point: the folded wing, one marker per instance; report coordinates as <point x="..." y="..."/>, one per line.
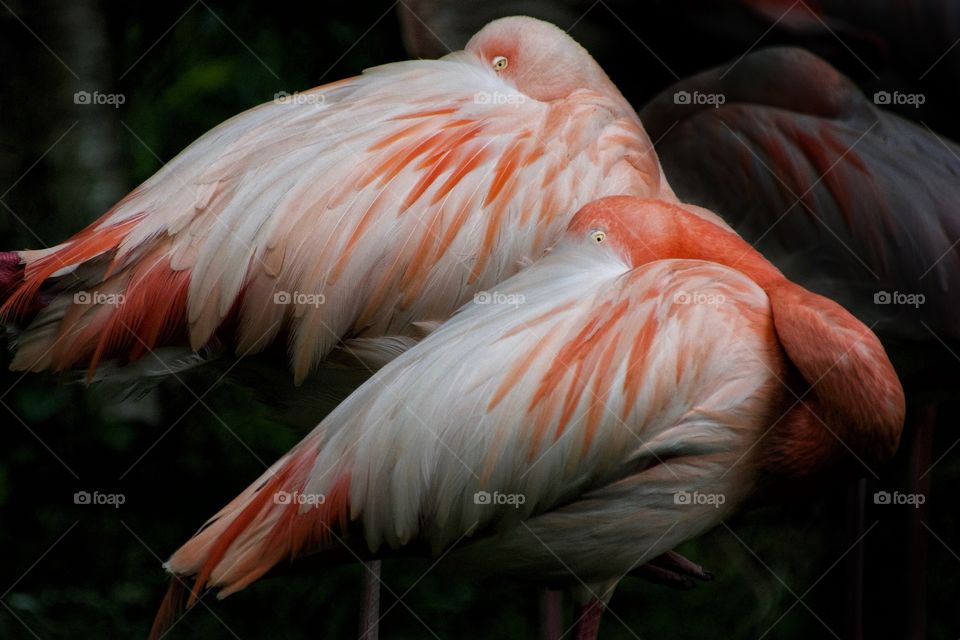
<point x="351" y="210"/>
<point x="577" y="372"/>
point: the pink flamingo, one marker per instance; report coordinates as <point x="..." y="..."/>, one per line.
<point x="644" y="380"/>
<point x="354" y="216"/>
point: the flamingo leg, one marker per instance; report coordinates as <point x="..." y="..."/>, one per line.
<point x="856" y="526"/>
<point x="922" y="424"/>
<point x="673" y="570"/>
<point x="551" y="608"/>
<point x="370" y="606"/>
<point x="588" y="617"/>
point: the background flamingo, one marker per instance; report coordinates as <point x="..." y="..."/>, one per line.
<point x="857" y="203"/>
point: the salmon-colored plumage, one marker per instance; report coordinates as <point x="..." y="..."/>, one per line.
<point x="606" y="388"/>
<point x="645" y="352"/>
<point x="372" y="205"/>
<point x="86" y="245"/>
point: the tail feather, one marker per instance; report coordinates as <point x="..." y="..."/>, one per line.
<point x="268" y="523"/>
<point x="86" y="245"/>
<point x="171" y="609"/>
<point x="96" y="307"/>
<point x="142" y="321"/>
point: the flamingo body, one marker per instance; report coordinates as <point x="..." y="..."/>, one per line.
<point x="620" y="371"/>
<point x="372" y="207"/>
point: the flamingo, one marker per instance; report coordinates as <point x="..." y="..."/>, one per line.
<point x="851" y="200"/>
<point x="648" y="377"/>
<point x="352" y="218"/>
<point x="840" y="184"/>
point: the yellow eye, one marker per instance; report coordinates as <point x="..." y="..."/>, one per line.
<point x="597" y="236"/>
<point x="500" y="63"/>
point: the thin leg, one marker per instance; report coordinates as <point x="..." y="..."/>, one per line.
<point x="673" y="570"/>
<point x="588" y="620"/>
<point x="370" y="606"/>
<point x="679" y="564"/>
<point x="921" y="448"/>
<point x="551" y="608"/>
<point x="856" y="499"/>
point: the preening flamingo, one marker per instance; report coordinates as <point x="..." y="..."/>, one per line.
<point x="648" y="377"/>
<point x="353" y="216"/>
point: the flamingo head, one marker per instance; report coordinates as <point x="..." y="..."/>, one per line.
<point x="642" y="230"/>
<point x="540" y="60"/>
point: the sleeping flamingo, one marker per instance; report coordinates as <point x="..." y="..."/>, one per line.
<point x="647" y="378"/>
<point x="352" y="217"/>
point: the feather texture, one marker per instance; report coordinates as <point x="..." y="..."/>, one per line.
<point x="354" y="210"/>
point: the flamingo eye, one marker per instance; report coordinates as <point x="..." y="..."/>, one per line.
<point x="597" y="236"/>
<point x="500" y="63"/>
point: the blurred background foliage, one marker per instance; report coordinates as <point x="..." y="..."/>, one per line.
<point x="177" y="456"/>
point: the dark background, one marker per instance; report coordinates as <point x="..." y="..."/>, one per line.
<point x="177" y="456"/>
